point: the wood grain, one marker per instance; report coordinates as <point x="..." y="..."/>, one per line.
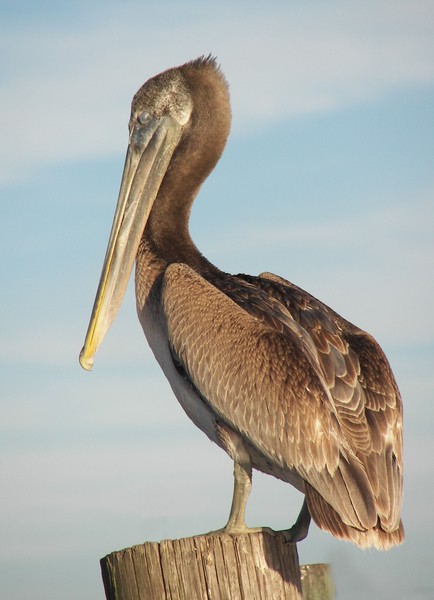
<point x="257" y="566"/>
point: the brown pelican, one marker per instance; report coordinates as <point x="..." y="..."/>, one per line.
<point x="272" y="375"/>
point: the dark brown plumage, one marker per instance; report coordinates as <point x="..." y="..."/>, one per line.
<point x="272" y="375"/>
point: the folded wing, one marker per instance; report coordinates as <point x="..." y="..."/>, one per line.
<point x="308" y="390"/>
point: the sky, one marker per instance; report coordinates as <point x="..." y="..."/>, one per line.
<point x="327" y="180"/>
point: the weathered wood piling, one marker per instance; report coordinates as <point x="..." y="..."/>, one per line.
<point x="256" y="566"/>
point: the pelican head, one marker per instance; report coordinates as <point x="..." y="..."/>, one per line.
<point x="165" y="119"/>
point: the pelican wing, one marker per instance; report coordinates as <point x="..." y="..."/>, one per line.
<point x="260" y="371"/>
<point x="363" y="388"/>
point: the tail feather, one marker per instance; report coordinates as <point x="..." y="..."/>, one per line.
<point x="328" y="519"/>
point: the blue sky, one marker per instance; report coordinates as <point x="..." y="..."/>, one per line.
<point x="327" y="179"/>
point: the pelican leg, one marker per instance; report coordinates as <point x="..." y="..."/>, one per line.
<point x="242" y="486"/>
<point x="300" y="529"/>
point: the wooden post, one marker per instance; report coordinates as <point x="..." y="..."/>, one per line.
<point x="257" y="566"/>
<point x="317" y="582"/>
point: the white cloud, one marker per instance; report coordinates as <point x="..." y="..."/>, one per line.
<point x="66" y="93"/>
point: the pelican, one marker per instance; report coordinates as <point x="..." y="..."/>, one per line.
<point x="269" y="373"/>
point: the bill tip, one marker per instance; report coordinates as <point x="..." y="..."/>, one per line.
<point x="86" y="361"/>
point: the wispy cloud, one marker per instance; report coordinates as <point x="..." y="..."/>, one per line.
<point x="400" y="222"/>
<point x="66" y="92"/>
<point x="370" y="266"/>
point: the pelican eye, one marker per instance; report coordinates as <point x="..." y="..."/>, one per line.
<point x="144" y="118"/>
